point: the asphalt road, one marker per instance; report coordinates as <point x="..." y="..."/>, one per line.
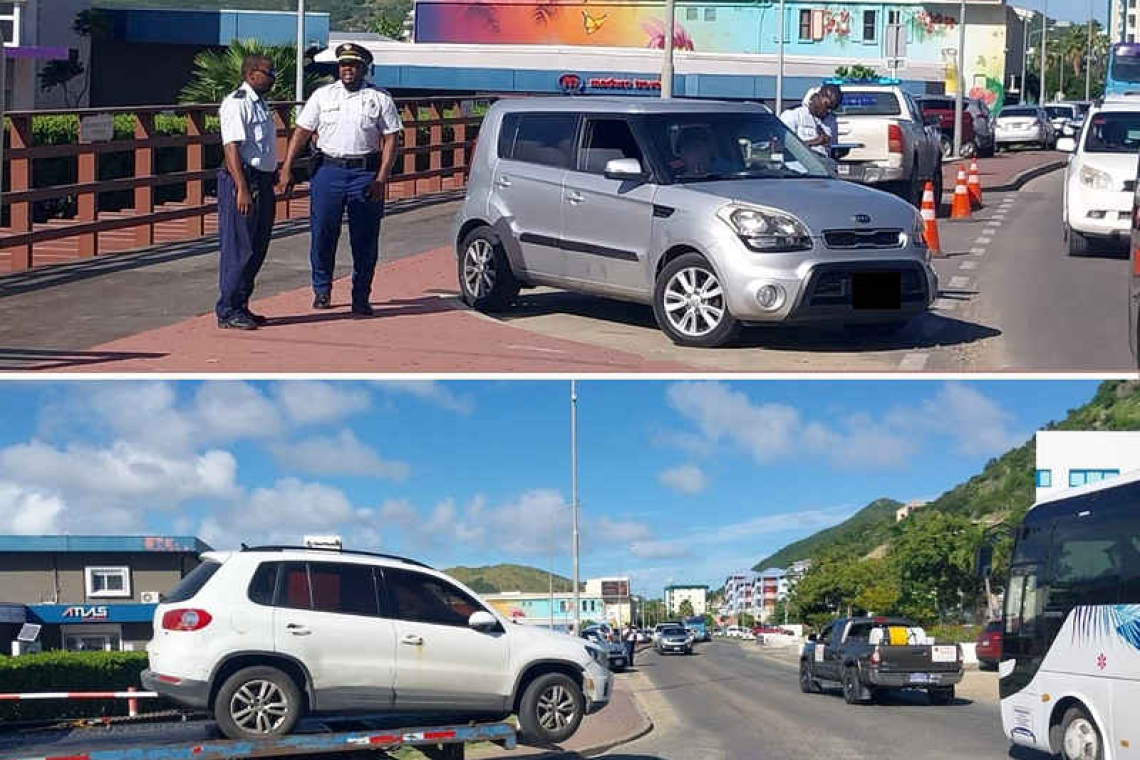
<point x="725" y="703"/>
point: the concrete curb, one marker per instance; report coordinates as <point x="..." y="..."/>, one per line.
<point x="1022" y="178"/>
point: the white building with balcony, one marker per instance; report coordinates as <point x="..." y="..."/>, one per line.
<point x="1073" y="458"/>
<point x="696" y="595"/>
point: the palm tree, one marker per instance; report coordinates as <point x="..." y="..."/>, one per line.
<point x="218" y="73"/>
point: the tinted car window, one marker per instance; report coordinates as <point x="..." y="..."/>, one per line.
<point x="426" y="599"/>
<point x="1113" y="133"/>
<point x="264" y="583"/>
<point x="546" y="139"/>
<point x="869" y="104"/>
<point x="343" y="587"/>
<point x="605" y="140"/>
<point x="293" y="588"/>
<point x="189" y="586"/>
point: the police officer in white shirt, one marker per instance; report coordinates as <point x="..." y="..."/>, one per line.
<point x="356" y="125"/>
<point x="245" y="192"/>
<point x="805" y="122"/>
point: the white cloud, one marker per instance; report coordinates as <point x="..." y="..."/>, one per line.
<point x="976" y="421"/>
<point x="430" y="391"/>
<point x="305" y="401"/>
<point x="344" y="454"/>
<point x="28" y="512"/>
<point x="659" y="549"/>
<point x="687" y="478"/>
<point x="226" y="410"/>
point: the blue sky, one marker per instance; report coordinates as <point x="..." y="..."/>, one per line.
<point x="1067" y="10"/>
<point x="678" y="481"/>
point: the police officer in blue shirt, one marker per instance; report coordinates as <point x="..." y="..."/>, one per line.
<point x="245" y="192"/>
<point x="356" y="125"/>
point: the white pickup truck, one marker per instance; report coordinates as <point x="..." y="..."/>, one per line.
<point x="898" y="149"/>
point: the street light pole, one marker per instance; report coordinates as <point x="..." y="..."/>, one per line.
<point x="574" y="485"/>
<point x="780" y="64"/>
<point x="1024" y="56"/>
<point x="1044" y="37"/>
<point x="961" y="78"/>
<point x="667" y="64"/>
<point x="1088" y="55"/>
<point x="299" y="95"/>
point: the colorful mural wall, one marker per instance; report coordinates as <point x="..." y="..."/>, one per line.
<point x="850" y="31"/>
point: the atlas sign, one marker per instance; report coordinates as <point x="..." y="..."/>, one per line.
<point x="86" y="613"/>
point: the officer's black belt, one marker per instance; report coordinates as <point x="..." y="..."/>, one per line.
<point x="370" y="161"/>
<point x="255" y="172"/>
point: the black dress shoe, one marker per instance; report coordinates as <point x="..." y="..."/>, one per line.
<point x="322" y="301"/>
<point x="237" y="322"/>
<point x="362" y="310"/>
<point x="258" y="319"/>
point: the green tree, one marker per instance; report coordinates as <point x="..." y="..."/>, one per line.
<point x="934" y="554"/>
<point x="218" y="73"/>
<point x="686" y="609"/>
<point x="60" y="74"/>
<point x="858" y="71"/>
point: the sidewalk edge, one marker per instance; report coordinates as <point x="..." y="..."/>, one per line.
<point x="1022" y="178"/>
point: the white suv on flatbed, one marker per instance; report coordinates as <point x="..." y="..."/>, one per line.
<point x="266" y="635"/>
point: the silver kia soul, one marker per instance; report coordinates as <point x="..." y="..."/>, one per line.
<point x="714" y="213"/>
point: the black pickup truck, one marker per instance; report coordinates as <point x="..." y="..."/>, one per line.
<point x="858" y="654"/>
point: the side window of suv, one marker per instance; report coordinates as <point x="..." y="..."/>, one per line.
<point x="263" y="586"/>
<point x="604" y="140"/>
<point x="426" y="599"/>
<point x="343" y="587"/>
<point x="546" y="139"/>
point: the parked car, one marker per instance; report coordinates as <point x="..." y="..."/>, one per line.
<point x="615" y="651"/>
<point x="1024" y="125"/>
<point x="989" y="646"/>
<point x="713" y="213"/>
<point x="1101" y="176"/>
<point x="901" y="149"/>
<point x="1062" y="114"/>
<point x="868" y="656"/>
<point x="262" y="636"/>
<point x="675" y="639"/>
<point x="944" y="109"/>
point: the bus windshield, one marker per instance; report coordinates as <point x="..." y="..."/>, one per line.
<point x="1123" y="68"/>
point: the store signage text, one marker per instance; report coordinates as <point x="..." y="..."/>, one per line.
<point x="86" y="613"/>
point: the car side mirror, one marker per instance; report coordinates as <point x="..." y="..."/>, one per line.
<point x="482" y="621"/>
<point x="624" y="169"/>
<point x="1066" y="145"/>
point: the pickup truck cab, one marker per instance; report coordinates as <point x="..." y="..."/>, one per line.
<point x="870" y="655"/>
<point x="901" y="149"/>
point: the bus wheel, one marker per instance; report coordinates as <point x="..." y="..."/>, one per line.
<point x="1080" y="738"/>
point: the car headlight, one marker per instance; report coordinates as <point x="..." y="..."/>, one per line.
<point x="766" y="230"/>
<point x="1095" y="178"/>
<point x="598" y="656"/>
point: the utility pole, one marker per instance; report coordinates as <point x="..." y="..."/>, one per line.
<point x="3" y="104"/>
<point x="780" y="65"/>
<point x="667" y="64"/>
<point x="299" y="95"/>
<point x="1044" y="36"/>
<point x="961" y="90"/>
<point x="1024" y="55"/>
<point x="574" y="476"/>
<point x="1088" y="55"/>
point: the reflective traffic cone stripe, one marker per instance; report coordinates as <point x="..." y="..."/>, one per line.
<point x="960" y="209"/>
<point x="975" y="184"/>
<point x="930" y="220"/>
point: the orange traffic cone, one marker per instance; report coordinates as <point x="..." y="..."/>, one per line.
<point x="929" y="218"/>
<point x="960" y="209"/>
<point x="975" y="184"/>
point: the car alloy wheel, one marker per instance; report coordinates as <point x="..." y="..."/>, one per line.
<point x="259" y="707"/>
<point x="694" y="302"/>
<point x="479" y="268"/>
<point x="556" y="708"/>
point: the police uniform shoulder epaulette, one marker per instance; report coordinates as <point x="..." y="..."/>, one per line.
<point x="238" y="93"/>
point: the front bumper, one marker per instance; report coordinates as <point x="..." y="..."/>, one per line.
<point x="597" y="687"/>
<point x="1116" y="207"/>
<point x="185" y="691"/>
<point x="906" y="680"/>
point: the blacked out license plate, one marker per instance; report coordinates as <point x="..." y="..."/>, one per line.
<point x="876" y="290"/>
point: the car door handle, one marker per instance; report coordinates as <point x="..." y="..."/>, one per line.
<point x="298" y="630"/>
<point x="576" y="197"/>
<point x="412" y="640"/>
<point x="504" y="182"/>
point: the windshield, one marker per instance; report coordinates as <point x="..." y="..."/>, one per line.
<point x="1060" y="112"/>
<point x="700" y="147"/>
<point x="1125" y="68"/>
<point x="1022" y="112"/>
<point x="1113" y="133"/>
<point x="674" y="632"/>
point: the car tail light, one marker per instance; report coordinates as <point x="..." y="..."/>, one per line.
<point x="894" y="139"/>
<point x="186" y="620"/>
<point x="876" y="657"/>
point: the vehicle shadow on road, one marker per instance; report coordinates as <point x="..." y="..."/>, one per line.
<point x="12" y="359"/>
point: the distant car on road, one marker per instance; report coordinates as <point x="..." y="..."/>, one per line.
<point x="868" y="656"/>
<point x="1024" y="125"/>
<point x="989" y="646"/>
<point x="675" y="639"/>
<point x="977" y="134"/>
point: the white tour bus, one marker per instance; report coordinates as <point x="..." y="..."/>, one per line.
<point x="1070" y="661"/>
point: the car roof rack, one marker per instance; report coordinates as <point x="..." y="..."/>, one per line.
<point x="332" y="550"/>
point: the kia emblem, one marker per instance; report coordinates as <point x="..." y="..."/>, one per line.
<point x="861" y="219"/>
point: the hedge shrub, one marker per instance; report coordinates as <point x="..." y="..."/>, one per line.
<point x="72" y="671"/>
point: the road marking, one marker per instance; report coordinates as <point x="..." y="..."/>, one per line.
<point x="945" y="304"/>
<point x="914" y="362"/>
<point x="961" y="282"/>
<point x="978" y="251"/>
<point x="993" y="224"/>
<point x="985" y="238"/>
<point x="968" y="264"/>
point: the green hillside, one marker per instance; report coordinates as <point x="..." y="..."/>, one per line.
<point x="863" y="531"/>
<point x="1004" y="489"/>
<point x="496" y="578"/>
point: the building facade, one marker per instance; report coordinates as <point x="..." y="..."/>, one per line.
<point x="37" y="33"/>
<point x="907" y="509"/>
<point x="770" y="587"/>
<point x="1071" y="458"/>
<point x="615" y="594"/>
<point x="89" y="592"/>
<point x="738" y="588"/>
<point x="545" y="610"/>
<point x="818" y="36"/>
<point x="1122" y="21"/>
<point x="696" y="595"/>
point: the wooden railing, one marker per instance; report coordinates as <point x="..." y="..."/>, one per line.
<point x="429" y="161"/>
